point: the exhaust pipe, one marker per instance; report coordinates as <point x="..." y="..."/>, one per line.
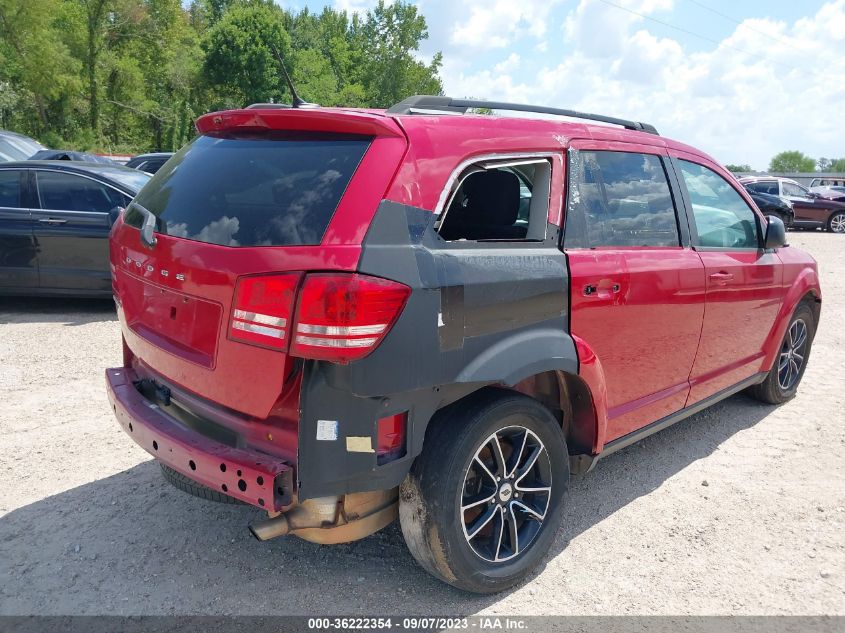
<point x="313" y="513"/>
<point x="270" y="528"/>
<point x="333" y="519"/>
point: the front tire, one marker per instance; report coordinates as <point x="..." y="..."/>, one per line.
<point x="836" y="223"/>
<point x="483" y="501"/>
<point x="782" y="381"/>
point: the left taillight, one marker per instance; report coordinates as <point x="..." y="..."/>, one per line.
<point x="263" y="309"/>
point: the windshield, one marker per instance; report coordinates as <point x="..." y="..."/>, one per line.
<point x="269" y="190"/>
<point x="17" y="147"/>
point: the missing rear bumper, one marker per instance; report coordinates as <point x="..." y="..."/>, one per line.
<point x="250" y="476"/>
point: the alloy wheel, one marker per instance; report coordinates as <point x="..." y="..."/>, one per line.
<point x="837" y="223"/>
<point x="506" y="494"/>
<point x="792" y="354"/>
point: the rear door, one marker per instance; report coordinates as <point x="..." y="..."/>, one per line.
<point x="18" y="256"/>
<point x="744" y="281"/>
<point x="637" y="287"/>
<point x="71" y="226"/>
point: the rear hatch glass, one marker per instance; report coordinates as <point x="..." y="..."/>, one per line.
<point x="274" y="189"/>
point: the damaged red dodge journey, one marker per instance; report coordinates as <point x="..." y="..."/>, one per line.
<point x="342" y="317"/>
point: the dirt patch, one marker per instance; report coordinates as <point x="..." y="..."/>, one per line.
<point x="738" y="510"/>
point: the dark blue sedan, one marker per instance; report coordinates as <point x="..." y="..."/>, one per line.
<point x="55" y="218"/>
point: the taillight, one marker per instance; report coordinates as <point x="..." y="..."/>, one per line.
<point x="343" y="317"/>
<point x="391" y="438"/>
<point x="263" y="308"/>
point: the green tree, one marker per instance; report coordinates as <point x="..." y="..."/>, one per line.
<point x="823" y="164"/>
<point x="837" y="165"/>
<point x="132" y="75"/>
<point x="240" y="58"/>
<point x="391" y="34"/>
<point x="738" y="168"/>
<point x="33" y="58"/>
<point x="792" y="161"/>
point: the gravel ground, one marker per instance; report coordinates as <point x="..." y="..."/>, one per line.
<point x="738" y="510"/>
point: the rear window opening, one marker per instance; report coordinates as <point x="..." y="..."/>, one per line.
<point x="278" y="189"/>
<point x="501" y="201"/>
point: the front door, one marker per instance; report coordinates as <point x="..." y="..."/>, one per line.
<point x="18" y="258"/>
<point x="744" y="281"/>
<point x="72" y="229"/>
<point x="637" y="287"/>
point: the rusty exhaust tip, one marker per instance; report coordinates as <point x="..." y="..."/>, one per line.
<point x="270" y="528"/>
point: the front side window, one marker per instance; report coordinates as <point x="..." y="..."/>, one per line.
<point x="722" y="217"/>
<point x="791" y="189"/>
<point x="59" y="191"/>
<point x="10" y="188"/>
<point x="619" y="199"/>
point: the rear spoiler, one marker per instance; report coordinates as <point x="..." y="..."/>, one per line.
<point x="300" y="119"/>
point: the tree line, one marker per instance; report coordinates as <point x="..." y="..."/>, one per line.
<point x="795" y="161"/>
<point x="127" y="76"/>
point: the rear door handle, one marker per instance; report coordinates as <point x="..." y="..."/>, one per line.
<point x="721" y="277"/>
<point x="52" y="221"/>
<point x="601" y="289"/>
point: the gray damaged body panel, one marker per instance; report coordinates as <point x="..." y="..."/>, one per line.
<point x="480" y="313"/>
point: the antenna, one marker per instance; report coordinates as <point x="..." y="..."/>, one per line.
<point x="296" y="101"/>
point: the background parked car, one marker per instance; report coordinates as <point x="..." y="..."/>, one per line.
<point x="149" y="163"/>
<point x="774" y="205"/>
<point x="830" y="193"/>
<point x="64" y="154"/>
<point x="827" y="182"/>
<point x="55" y="218"/>
<point x="811" y="210"/>
<point x="14" y="146"/>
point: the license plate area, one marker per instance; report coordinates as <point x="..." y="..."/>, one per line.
<point x="178" y="323"/>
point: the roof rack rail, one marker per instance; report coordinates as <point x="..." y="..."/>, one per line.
<point x="430" y="104"/>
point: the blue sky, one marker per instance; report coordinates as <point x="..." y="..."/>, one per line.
<point x="760" y="78"/>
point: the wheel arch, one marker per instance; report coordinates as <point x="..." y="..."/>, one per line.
<point x="805" y="288"/>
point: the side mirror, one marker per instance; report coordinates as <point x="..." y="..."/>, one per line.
<point x="775" y="232"/>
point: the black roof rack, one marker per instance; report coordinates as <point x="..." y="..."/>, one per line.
<point x="429" y="104"/>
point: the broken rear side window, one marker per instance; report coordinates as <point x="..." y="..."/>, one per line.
<point x="279" y="190"/>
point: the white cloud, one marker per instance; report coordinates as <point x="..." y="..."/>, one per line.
<point x="498" y="23"/>
<point x="742" y="100"/>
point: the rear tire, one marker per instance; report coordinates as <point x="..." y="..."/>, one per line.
<point x="186" y="484"/>
<point x="782" y="381"/>
<point x="836" y="222"/>
<point x="461" y="524"/>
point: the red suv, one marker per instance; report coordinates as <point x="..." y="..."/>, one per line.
<point x="343" y="317"/>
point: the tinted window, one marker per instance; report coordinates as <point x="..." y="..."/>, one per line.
<point x="619" y="199"/>
<point x="765" y="186"/>
<point x="722" y="217"/>
<point x="152" y="166"/>
<point x="68" y="192"/>
<point x="10" y="188"/>
<point x="265" y="191"/>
